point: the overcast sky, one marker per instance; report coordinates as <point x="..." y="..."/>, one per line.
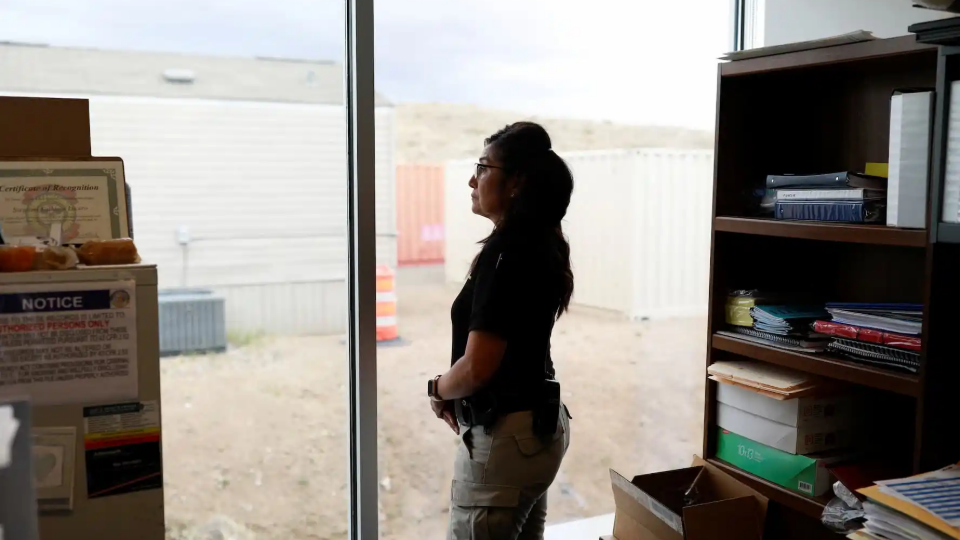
<point x="631" y="61"/>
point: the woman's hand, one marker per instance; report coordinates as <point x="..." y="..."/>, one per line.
<point x="444" y="409"/>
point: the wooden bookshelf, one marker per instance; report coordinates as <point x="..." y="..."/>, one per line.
<point x="820" y="111"/>
<point x="810" y="506"/>
<point x="824" y="365"/>
<point x="858" y="52"/>
<point x="832" y="232"/>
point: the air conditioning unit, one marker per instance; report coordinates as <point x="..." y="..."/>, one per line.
<point x="191" y="321"/>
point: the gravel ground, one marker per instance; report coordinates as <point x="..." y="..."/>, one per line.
<point x="255" y="440"/>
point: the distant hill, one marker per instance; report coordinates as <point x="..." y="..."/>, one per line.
<point x="433" y="133"/>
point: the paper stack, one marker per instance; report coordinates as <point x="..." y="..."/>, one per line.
<point x="784" y="320"/>
<point x="922" y="507"/>
<point x="781" y="326"/>
<point x="769" y="380"/>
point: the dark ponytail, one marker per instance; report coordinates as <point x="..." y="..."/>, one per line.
<point x="543" y="186"/>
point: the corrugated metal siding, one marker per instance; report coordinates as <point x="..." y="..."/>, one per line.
<point x="463" y="228"/>
<point x="672" y="201"/>
<point x="597" y="227"/>
<point x="386" y="186"/>
<point x="420" y="216"/>
<point x="287" y="308"/>
<point x="638" y="224"/>
<point x="262" y="188"/>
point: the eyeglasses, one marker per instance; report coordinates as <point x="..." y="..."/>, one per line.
<point x="481" y="167"/>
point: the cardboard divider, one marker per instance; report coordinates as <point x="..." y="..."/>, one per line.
<point x="44" y="127"/>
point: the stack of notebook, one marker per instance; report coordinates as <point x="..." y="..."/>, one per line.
<point x="921" y="507"/>
<point x="885" y="335"/>
<point x="784" y="326"/>
<point x="845" y="197"/>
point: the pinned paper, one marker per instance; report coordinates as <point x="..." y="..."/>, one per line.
<point x="8" y="431"/>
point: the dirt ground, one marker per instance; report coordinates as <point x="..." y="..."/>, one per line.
<point x="255" y="440"/>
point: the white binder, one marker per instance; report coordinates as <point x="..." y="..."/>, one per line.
<point x="910" y="121"/>
<point x="951" y="184"/>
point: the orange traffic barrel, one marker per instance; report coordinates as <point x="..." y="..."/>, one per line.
<point x="386" y="305"/>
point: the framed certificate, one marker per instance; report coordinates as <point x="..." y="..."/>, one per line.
<point x="68" y="201"/>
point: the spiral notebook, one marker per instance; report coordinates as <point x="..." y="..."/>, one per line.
<point x="795" y="342"/>
<point x="878" y="355"/>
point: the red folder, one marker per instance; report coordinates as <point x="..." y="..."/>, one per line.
<point x="869" y="335"/>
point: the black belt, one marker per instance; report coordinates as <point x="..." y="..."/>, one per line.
<point x="468" y="414"/>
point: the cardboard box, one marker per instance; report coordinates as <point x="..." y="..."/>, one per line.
<point x="804" y="474"/>
<point x="820" y="411"/>
<point x="806" y="439"/>
<point x="651" y="507"/>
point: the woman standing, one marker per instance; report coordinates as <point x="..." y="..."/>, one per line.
<point x="500" y="393"/>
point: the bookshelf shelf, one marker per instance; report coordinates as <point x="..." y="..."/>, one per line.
<point x="823" y="365"/>
<point x="831" y="232"/>
<point x="809" y="506"/>
<point x="867" y="50"/>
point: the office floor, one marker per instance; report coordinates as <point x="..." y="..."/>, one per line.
<point x="255" y="439"/>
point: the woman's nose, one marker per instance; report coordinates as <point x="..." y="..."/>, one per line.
<point x="473" y="182"/>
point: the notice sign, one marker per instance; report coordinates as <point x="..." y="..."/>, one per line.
<point x="69" y="342"/>
<point x="122" y="448"/>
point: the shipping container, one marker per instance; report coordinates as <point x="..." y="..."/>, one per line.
<point x="638" y="225"/>
<point x="420" y="220"/>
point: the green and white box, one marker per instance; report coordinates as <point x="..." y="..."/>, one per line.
<point x="804" y="474"/>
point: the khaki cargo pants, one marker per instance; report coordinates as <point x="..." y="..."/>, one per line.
<point x="500" y="479"/>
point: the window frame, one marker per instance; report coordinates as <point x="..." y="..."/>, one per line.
<point x="361" y="262"/>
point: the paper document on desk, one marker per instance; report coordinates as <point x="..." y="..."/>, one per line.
<point x="937" y="492"/>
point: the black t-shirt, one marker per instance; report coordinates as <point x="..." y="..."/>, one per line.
<point x="513" y="292"/>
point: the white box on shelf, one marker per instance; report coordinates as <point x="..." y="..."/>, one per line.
<point x="910" y="121"/>
<point x="805" y="411"/>
<point x="800" y="440"/>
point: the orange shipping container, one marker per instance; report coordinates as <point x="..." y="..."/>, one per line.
<point x="420" y="228"/>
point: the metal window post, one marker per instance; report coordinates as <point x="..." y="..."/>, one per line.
<point x="362" y="253"/>
<point x="738" y="22"/>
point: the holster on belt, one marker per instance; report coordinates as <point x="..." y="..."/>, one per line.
<point x="485" y="408"/>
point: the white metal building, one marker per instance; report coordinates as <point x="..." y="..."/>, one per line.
<point x="237" y="168"/>
<point x="638" y="224"/>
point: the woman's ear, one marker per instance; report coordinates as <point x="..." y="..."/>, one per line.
<point x="513" y="185"/>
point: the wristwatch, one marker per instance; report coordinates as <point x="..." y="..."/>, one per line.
<point x="433" y="388"/>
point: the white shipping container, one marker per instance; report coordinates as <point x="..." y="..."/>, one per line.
<point x="638" y="224"/>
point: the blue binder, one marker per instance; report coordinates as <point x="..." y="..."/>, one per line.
<point x="838" y="211"/>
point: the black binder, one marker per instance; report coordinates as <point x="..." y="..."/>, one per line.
<point x="845" y="179"/>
